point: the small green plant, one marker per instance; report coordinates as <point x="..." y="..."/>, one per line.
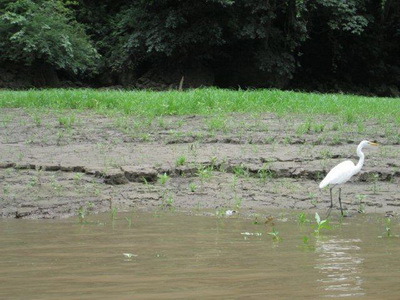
<point x="240" y="171"/>
<point x="180" y="161"/>
<point x="167" y="202"/>
<point x="321" y="224"/>
<point x="275" y="235"/>
<point x="204" y="172"/>
<point x="302" y="218"/>
<point x="192" y="187"/>
<point x="350" y="117"/>
<point x="217" y="123"/>
<point x="163" y="178"/>
<point x="375" y="179"/>
<point x="129" y="220"/>
<point x="66" y="121"/>
<point x="388" y="227"/>
<point x="81" y="214"/>
<point x="238" y="202"/>
<point x="359" y="200"/>
<point x="84" y="211"/>
<point x="78" y="177"/>
<point x="37" y="120"/>
<point x="318" y="127"/>
<point x="265" y="173"/>
<point x="114" y="213"/>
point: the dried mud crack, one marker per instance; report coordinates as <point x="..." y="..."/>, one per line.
<point x="254" y="162"/>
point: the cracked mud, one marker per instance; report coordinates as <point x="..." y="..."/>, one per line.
<point x="53" y="164"/>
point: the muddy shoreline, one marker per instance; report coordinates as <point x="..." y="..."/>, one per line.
<point x="54" y="164"/>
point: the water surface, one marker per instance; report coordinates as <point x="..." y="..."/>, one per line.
<point x="177" y="256"/>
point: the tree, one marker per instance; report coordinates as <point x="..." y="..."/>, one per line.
<point x="44" y="35"/>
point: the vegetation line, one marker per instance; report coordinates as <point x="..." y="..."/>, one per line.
<point x="206" y="101"/>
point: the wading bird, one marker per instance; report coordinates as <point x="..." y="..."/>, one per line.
<point x="343" y="172"/>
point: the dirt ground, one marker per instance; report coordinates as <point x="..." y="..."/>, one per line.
<point x="64" y="163"/>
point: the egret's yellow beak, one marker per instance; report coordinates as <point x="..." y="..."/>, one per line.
<point x="373" y="144"/>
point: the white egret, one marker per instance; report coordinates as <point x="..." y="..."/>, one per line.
<point x="344" y="171"/>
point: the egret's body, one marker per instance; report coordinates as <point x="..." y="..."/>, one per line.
<point x="344" y="171"/>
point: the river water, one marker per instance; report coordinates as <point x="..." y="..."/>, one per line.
<point x="179" y="256"/>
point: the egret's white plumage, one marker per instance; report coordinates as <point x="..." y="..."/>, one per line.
<point x="344" y="171"/>
<point x="339" y="174"/>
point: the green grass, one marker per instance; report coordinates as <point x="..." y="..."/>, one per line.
<point x="208" y="101"/>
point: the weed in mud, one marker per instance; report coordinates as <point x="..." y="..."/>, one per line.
<point x="78" y="177"/>
<point x="275" y="235"/>
<point x="360" y="127"/>
<point x="204" y="173"/>
<point x="37" y="120"/>
<point x="318" y="128"/>
<point x="66" y="121"/>
<point x="302" y="218"/>
<point x="168" y="202"/>
<point x="241" y="171"/>
<point x="321" y="224"/>
<point x="375" y="180"/>
<point x="265" y="173"/>
<point x="221" y="211"/>
<point x="192" y="187"/>
<point x="114" y="213"/>
<point x="163" y="178"/>
<point x="83" y="211"/>
<point x="360" y="203"/>
<point x="350" y="117"/>
<point x="388" y="227"/>
<point x="238" y="202"/>
<point x="129" y="220"/>
<point x="180" y="161"/>
<point x="335" y="127"/>
<point x="217" y="123"/>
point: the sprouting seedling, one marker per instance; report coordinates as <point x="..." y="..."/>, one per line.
<point x="275" y="235"/>
<point x="321" y="224"/>
<point x="240" y="171"/>
<point x="129" y="220"/>
<point x="265" y="173"/>
<point x="114" y="213"/>
<point x="361" y="207"/>
<point x="204" y="172"/>
<point x="81" y="214"/>
<point x="303" y="218"/>
<point x="238" y="202"/>
<point x="192" y="187"/>
<point x="163" y="178"/>
<point x="388" y="227"/>
<point x="180" y="161"/>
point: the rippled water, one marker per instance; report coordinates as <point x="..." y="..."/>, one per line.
<point x="176" y="256"/>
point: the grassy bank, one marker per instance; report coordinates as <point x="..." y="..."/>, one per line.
<point x="205" y="102"/>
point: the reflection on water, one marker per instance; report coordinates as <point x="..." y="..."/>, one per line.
<point x="340" y="267"/>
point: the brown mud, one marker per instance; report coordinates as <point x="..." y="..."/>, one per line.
<point x="59" y="163"/>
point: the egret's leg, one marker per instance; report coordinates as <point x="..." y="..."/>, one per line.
<point x="330" y="207"/>
<point x="330" y="190"/>
<point x="340" y="201"/>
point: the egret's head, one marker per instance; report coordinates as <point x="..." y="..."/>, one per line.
<point x="367" y="143"/>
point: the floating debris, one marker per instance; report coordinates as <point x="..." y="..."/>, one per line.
<point x="129" y="255"/>
<point x="252" y="233"/>
<point x="230" y="212"/>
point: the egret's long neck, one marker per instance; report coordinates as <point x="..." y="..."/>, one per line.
<point x="360" y="161"/>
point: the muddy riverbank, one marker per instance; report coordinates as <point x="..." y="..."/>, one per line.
<point x="55" y="164"/>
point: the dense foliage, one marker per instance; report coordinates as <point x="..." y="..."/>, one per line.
<point x="325" y="45"/>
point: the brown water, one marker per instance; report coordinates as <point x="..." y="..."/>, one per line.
<point x="176" y="256"/>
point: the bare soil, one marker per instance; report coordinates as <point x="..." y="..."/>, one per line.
<point x="58" y="163"/>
